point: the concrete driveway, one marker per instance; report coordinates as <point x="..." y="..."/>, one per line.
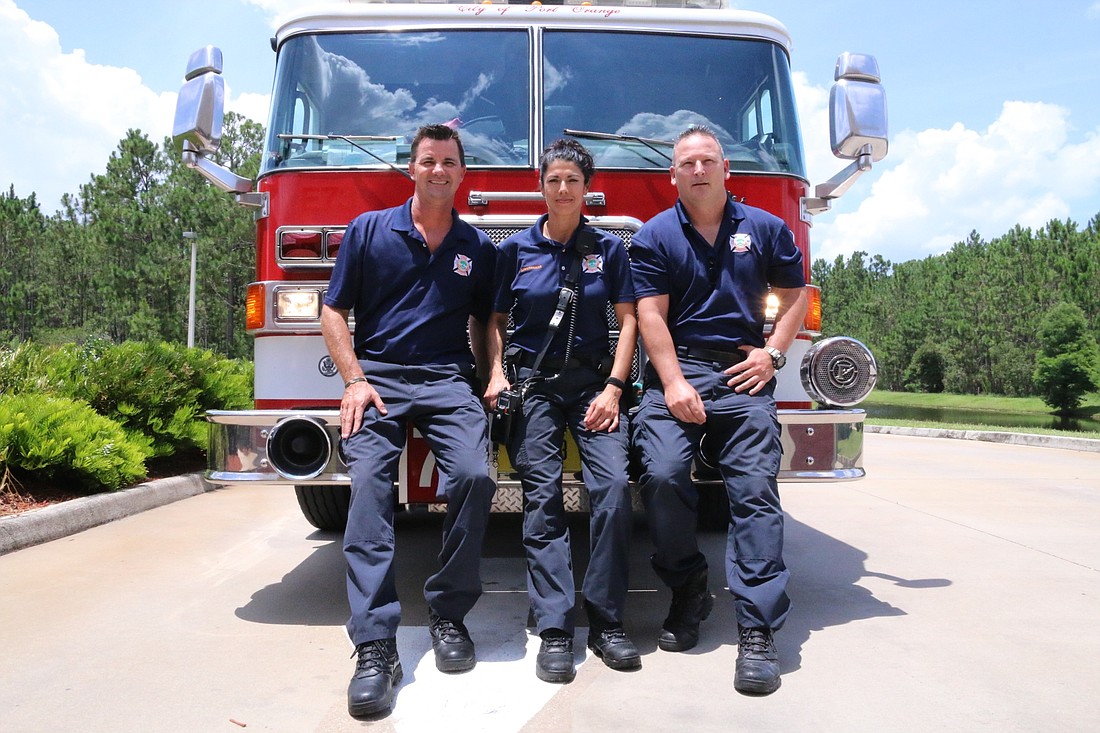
<point x="956" y="588"/>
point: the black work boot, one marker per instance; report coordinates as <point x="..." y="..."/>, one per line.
<point x="615" y="648"/>
<point x="757" y="671"/>
<point x="377" y="672"/>
<point x="454" y="650"/>
<point x="555" y="660"/>
<point x="691" y="603"/>
<point x="609" y="642"/>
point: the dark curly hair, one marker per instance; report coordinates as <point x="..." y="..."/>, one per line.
<point x="570" y="151"/>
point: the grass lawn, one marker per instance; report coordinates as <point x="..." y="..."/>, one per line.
<point x="1088" y="413"/>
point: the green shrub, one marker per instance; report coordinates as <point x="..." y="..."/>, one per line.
<point x="149" y="388"/>
<point x="29" y="367"/>
<point x="158" y="390"/>
<point x="224" y="384"/>
<point x="55" y="438"/>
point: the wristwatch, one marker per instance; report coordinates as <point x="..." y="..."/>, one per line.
<point x="779" y="359"/>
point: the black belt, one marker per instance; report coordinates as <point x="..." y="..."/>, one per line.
<point x="722" y="357"/>
<point x="555" y="363"/>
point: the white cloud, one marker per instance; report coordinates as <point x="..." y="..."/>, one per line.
<point x="936" y="186"/>
<point x="813" y="116"/>
<point x="253" y="106"/>
<point x="61" y="117"/>
<point x="278" y="8"/>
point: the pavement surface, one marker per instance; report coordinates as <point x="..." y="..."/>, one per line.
<point x="956" y="588"/>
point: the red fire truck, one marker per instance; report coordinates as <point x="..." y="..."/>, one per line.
<point x="354" y="81"/>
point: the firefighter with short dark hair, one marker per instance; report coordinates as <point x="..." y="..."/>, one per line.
<point x="702" y="272"/>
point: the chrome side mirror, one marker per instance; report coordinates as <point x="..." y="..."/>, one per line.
<point x="857" y="127"/>
<point x="857" y="109"/>
<point x="200" y="106"/>
<point x="197" y="129"/>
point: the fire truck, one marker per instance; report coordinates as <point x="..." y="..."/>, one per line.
<point x="352" y="84"/>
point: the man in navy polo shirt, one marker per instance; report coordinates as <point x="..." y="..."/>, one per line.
<point x="702" y="271"/>
<point x="415" y="277"/>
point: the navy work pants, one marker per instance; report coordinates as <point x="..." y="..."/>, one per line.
<point x="441" y="403"/>
<point x="744" y="430"/>
<point x="537" y="453"/>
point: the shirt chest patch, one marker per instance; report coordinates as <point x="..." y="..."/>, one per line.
<point x="463" y="265"/>
<point x="592" y="263"/>
<point x="740" y="243"/>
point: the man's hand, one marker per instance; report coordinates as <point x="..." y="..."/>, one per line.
<point x="684" y="403"/>
<point x="357" y="398"/>
<point x="751" y="374"/>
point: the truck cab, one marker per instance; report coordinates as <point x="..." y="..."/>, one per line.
<point x="352" y="84"/>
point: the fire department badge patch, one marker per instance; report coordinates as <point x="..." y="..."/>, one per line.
<point x="740" y="243"/>
<point x="592" y="263"/>
<point x="463" y="265"/>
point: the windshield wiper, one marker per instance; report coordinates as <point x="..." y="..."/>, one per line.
<point x="351" y="140"/>
<point x="647" y="141"/>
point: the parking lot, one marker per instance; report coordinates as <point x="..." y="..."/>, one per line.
<point x="957" y="587"/>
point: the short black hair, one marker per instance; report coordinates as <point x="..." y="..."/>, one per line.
<point x="570" y="151"/>
<point x="437" y="132"/>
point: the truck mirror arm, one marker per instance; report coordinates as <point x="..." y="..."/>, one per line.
<point x="835" y="187"/>
<point x="221" y="177"/>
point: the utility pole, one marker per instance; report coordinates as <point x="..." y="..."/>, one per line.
<point x="191" y="293"/>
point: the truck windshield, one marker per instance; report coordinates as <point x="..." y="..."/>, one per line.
<point x="643" y="87"/>
<point x="356" y="99"/>
<point x="348" y="99"/>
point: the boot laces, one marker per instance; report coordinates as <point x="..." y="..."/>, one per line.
<point x="450" y="631"/>
<point x="372" y="656"/>
<point x="614" y="635"/>
<point x="556" y="642"/>
<point x="756" y="642"/>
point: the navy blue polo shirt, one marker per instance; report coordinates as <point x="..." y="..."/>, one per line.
<point x="531" y="271"/>
<point x="717" y="294"/>
<point x="412" y="306"/>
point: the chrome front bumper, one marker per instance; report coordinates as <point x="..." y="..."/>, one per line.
<point x="246" y="447"/>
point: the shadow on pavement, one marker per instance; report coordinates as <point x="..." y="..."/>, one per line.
<point x="824" y="588"/>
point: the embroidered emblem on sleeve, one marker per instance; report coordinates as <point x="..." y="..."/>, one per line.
<point x="592" y="263"/>
<point x="463" y="265"/>
<point x="740" y="243"/>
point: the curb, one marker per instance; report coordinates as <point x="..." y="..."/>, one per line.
<point x="76" y="515"/>
<point x="990" y="436"/>
<point x="67" y="518"/>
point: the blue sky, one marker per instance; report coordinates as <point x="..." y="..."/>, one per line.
<point x="994" y="107"/>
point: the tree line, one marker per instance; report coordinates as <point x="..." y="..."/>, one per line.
<point x="113" y="264"/>
<point x="977" y="319"/>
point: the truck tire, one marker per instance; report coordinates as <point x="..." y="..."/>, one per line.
<point x="714" y="507"/>
<point x="325" y="507"/>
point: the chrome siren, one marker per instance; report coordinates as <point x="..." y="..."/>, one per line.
<point x="839" y="371"/>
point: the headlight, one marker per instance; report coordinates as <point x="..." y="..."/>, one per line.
<point x="839" y="371"/>
<point x="298" y="305"/>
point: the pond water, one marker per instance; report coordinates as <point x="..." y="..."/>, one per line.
<point x="981" y="417"/>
